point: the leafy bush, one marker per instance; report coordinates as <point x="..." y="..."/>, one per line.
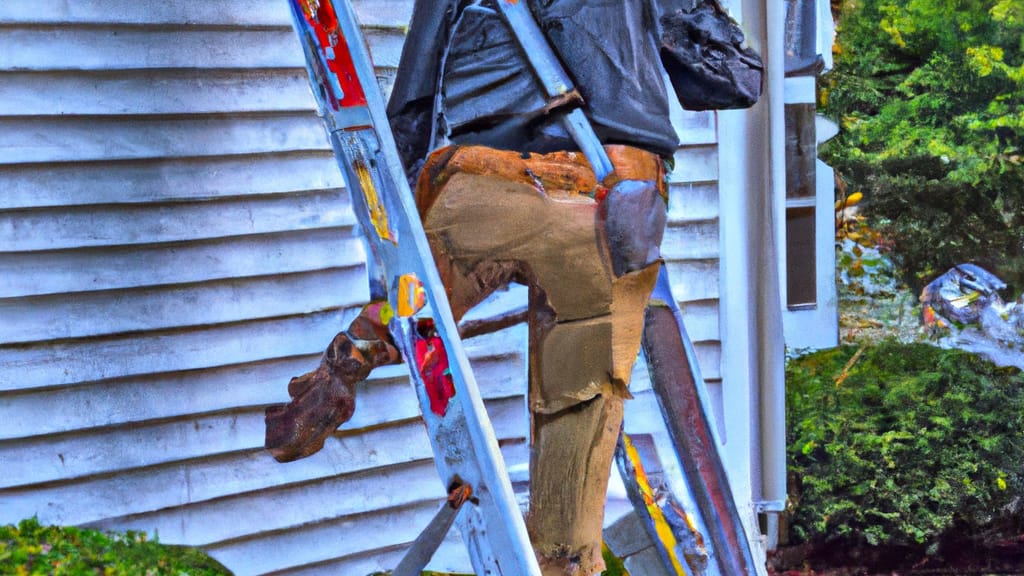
<point x="31" y="548"/>
<point x="900" y="444"/>
<point x="929" y="95"/>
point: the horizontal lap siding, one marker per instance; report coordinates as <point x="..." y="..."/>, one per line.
<point x="691" y="242"/>
<point x="176" y="242"/>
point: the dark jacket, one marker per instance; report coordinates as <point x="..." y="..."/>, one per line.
<point x="610" y="48"/>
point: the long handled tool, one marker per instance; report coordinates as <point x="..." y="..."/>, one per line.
<point x="402" y="271"/>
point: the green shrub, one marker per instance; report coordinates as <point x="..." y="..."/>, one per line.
<point x="31" y="548"/>
<point x="900" y="444"/>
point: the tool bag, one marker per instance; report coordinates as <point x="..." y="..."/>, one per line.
<point x="710" y="69"/>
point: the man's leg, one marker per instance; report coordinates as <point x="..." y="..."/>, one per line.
<point x="579" y="377"/>
<point x="488" y="213"/>
<point x="569" y="472"/>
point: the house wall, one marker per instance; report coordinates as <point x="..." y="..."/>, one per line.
<point x="176" y="242"/>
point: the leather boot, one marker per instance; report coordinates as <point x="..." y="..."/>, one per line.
<point x="324" y="398"/>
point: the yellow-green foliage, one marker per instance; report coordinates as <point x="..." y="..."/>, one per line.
<point x="31" y="548"/>
<point x="930" y="98"/>
<point x="897" y="444"/>
<point x="614" y="566"/>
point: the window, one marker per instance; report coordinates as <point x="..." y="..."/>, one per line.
<point x="801" y="252"/>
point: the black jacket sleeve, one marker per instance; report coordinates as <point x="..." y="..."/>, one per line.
<point x="410" y="108"/>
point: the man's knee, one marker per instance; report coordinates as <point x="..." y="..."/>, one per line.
<point x="635" y="215"/>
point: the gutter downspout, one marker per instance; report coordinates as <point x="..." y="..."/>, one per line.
<point x="769" y="296"/>
<point x="752" y="198"/>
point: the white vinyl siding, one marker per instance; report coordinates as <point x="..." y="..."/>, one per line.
<point x="176" y="242"/>
<point x="691" y="243"/>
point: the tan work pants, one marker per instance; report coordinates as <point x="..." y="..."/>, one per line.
<point x="492" y="217"/>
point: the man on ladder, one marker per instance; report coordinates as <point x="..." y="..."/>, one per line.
<point x="504" y="197"/>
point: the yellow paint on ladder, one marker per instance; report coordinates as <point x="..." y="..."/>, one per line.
<point x="378" y="215"/>
<point x="411" y="295"/>
<point x="661" y="526"/>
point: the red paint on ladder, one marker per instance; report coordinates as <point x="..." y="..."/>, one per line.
<point x="328" y="33"/>
<point x="432" y="363"/>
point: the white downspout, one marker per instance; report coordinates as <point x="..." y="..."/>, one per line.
<point x="753" y="201"/>
<point x="752" y="196"/>
<point x="771" y="361"/>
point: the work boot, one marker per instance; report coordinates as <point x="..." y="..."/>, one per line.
<point x="324" y="399"/>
